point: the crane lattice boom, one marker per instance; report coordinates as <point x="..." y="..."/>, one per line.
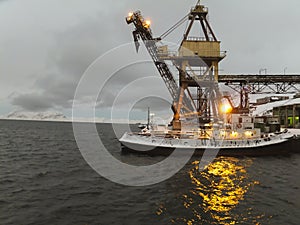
<point x="143" y="32"/>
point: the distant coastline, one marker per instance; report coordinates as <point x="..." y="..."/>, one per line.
<point x="70" y="121"/>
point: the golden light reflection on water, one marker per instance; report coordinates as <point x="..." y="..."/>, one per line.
<point x="224" y="192"/>
<point x="215" y="192"/>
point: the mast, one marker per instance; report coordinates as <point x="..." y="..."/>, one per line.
<point x="148" y="122"/>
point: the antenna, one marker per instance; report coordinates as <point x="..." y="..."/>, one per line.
<point x="148" y="122"/>
<point x="198" y="2"/>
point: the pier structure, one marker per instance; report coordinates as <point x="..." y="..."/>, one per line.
<point x="195" y="87"/>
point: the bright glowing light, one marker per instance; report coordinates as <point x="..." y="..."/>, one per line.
<point x="226" y="108"/>
<point x="130" y="14"/>
<point x="234" y="134"/>
<point x="147" y="23"/>
<point x="248" y="133"/>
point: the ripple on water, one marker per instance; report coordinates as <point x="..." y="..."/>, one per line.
<point x="44" y="180"/>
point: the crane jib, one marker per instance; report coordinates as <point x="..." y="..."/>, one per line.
<point x="144" y="33"/>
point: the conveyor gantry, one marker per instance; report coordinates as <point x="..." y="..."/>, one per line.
<point x="263" y="84"/>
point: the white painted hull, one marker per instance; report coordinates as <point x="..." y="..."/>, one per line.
<point x="281" y="143"/>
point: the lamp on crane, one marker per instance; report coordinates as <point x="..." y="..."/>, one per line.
<point x="226" y="108"/>
<point x="147" y="24"/>
<point x="130" y="17"/>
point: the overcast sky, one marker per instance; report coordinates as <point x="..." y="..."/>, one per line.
<point x="46" y="45"/>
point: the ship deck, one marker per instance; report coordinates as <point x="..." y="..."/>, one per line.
<point x="281" y="144"/>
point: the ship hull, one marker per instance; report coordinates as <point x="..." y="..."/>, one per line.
<point x="289" y="146"/>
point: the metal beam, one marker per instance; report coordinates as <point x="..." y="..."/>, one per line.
<point x="263" y="84"/>
<point x="259" y="78"/>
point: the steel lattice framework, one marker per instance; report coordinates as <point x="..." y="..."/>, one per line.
<point x="197" y="61"/>
<point x="263" y="84"/>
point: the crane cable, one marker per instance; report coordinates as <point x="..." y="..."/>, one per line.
<point x="179" y="23"/>
<point x="174" y="27"/>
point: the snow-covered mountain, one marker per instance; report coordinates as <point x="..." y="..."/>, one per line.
<point x="57" y="116"/>
<point x="48" y="116"/>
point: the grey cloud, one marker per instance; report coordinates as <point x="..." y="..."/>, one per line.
<point x="156" y="104"/>
<point x="247" y="30"/>
<point x="74" y="51"/>
<point x="130" y="84"/>
<point x="33" y="102"/>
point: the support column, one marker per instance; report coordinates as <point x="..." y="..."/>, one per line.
<point x="286" y="117"/>
<point x="216" y="70"/>
<point x="176" y="120"/>
<point x="294" y="116"/>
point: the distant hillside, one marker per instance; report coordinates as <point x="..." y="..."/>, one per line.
<point x="57" y="116"/>
<point x="47" y="116"/>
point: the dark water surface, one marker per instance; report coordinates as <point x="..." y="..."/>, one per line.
<point x="45" y="180"/>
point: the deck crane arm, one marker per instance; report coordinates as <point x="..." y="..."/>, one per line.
<point x="143" y="32"/>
